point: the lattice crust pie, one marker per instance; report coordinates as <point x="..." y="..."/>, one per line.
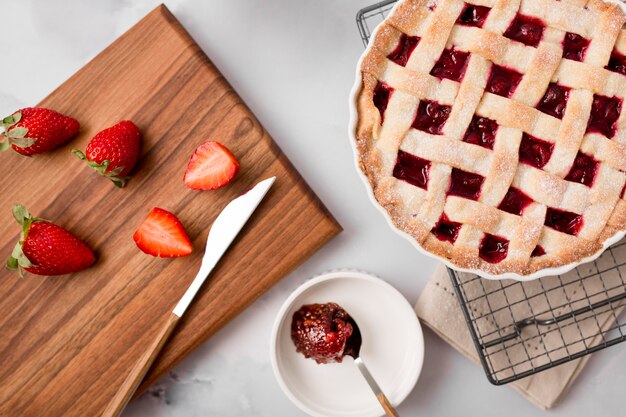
<point x="494" y="131"/>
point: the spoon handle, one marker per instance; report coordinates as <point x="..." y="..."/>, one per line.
<point x="380" y="396"/>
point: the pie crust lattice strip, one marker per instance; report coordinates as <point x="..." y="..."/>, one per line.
<point x="493" y="131"/>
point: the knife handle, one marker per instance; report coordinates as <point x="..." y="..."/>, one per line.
<point x="134" y="378"/>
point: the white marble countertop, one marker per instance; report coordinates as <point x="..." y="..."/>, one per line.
<point x="293" y="63"/>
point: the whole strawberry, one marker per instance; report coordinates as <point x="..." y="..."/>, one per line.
<point x="35" y="130"/>
<point x="47" y="249"/>
<point x="113" y="152"/>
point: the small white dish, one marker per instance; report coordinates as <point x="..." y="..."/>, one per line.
<point x="393" y="348"/>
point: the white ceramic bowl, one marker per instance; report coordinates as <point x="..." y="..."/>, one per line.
<point x="393" y="347"/>
<point x="538" y="274"/>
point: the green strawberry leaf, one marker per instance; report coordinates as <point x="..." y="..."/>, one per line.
<point x="22" y="142"/>
<point x="18" y="132"/>
<point x="16" y="117"/>
<point x="4" y="145"/>
<point x="79" y="154"/>
<point x="12" y="263"/>
<point x="20" y="213"/>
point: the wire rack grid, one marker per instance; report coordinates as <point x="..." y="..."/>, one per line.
<point x="520" y="329"/>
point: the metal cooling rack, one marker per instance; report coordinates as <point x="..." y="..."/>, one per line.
<point x="520" y="329"/>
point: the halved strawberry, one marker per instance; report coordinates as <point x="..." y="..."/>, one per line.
<point x="162" y="234"/>
<point x="211" y="166"/>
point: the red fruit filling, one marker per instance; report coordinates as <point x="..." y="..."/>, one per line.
<point x="538" y="251"/>
<point x="382" y="94"/>
<point x="451" y="65"/>
<point x="575" y="46"/>
<point x="525" y="29"/>
<point x="465" y="184"/>
<point x="564" y="221"/>
<point x="473" y="15"/>
<point x="481" y="132"/>
<point x="617" y="63"/>
<point x="431" y="117"/>
<point x="493" y="249"/>
<point x="515" y="201"/>
<point x="446" y="230"/>
<point x="604" y="114"/>
<point x="412" y="169"/>
<point x="403" y="51"/>
<point x="554" y="101"/>
<point x="503" y="81"/>
<point x="584" y="170"/>
<point x="320" y="332"/>
<point x="535" y="152"/>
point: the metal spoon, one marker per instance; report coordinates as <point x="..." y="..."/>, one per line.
<point x="353" y="348"/>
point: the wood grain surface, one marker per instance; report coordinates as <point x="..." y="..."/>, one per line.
<point x="68" y="342"/>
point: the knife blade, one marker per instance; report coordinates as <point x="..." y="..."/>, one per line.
<point x="224" y="230"/>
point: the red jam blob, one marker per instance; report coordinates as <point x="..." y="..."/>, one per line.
<point x="412" y="169"/>
<point x="431" y="116"/>
<point x="493" y="249"/>
<point x="604" y="114"/>
<point x="617" y="63"/>
<point x="382" y="94"/>
<point x="526" y="29"/>
<point x="564" y="221"/>
<point x="473" y="15"/>
<point x="575" y="47"/>
<point x="623" y="191"/>
<point x="446" y="230"/>
<point x="503" y="81"/>
<point x="538" y="251"/>
<point x="584" y="170"/>
<point x="535" y="152"/>
<point x="515" y="201"/>
<point x="451" y="65"/>
<point x="405" y="48"/>
<point x="554" y="101"/>
<point x="465" y="184"/>
<point x="321" y="331"/>
<point x="481" y="132"/>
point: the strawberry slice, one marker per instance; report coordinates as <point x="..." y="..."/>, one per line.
<point x="211" y="166"/>
<point x="162" y="234"/>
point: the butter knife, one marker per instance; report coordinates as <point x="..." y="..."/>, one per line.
<point x="224" y="230"/>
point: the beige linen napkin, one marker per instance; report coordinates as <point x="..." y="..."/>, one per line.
<point x="438" y="308"/>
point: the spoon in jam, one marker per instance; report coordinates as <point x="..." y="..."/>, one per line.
<point x="326" y="333"/>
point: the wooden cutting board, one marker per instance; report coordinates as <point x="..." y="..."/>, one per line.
<point x="67" y="342"/>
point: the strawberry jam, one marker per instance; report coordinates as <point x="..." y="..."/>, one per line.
<point x="584" y="170"/>
<point x="554" y="100"/>
<point x="321" y="331"/>
<point x="473" y="15"/>
<point x="446" y="230"/>
<point x="431" y="117"/>
<point x="515" y="201"/>
<point x="412" y="169"/>
<point x="493" y="249"/>
<point x="604" y="114"/>
<point x="617" y="63"/>
<point x="465" y="184"/>
<point x="382" y="94"/>
<point x="575" y="47"/>
<point x="451" y="65"/>
<point x="535" y="152"/>
<point x="525" y="29"/>
<point x="405" y="48"/>
<point x="503" y="81"/>
<point x="564" y="221"/>
<point x="481" y="132"/>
